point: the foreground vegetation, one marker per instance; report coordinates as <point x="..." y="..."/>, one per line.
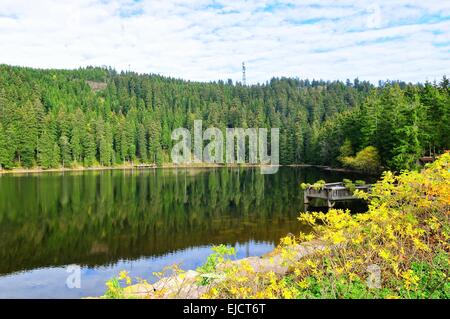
<point x="95" y="116"/>
<point x="405" y="234"/>
<point x="398" y="249"/>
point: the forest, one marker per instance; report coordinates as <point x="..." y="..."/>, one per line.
<point x="98" y="117"/>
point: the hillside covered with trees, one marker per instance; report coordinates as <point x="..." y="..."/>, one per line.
<point x="60" y="118"/>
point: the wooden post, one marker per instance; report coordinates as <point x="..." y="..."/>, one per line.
<point x="330" y="203"/>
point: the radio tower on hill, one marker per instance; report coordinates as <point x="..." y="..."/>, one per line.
<point x="243" y="74"/>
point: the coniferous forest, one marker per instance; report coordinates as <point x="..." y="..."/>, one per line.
<point x="97" y="116"/>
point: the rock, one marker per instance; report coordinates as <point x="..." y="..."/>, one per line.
<point x="182" y="286"/>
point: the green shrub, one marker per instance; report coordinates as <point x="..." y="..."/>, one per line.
<point x="218" y="257"/>
<point x="367" y="160"/>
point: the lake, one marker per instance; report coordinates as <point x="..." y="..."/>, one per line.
<point x="139" y="221"/>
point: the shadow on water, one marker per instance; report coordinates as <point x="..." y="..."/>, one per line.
<point x="106" y="221"/>
<point x="356" y="206"/>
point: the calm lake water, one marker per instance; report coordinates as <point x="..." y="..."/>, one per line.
<point x="140" y="221"/>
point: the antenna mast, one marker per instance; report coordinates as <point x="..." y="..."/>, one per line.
<point x="243" y="74"/>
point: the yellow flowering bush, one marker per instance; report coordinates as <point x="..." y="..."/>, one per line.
<point x="404" y="236"/>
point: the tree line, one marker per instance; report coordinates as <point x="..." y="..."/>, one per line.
<point x="55" y="118"/>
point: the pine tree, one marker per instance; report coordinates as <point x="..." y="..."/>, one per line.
<point x="3" y="151"/>
<point x="27" y="135"/>
<point x="408" y="149"/>
<point x="130" y="138"/>
<point x="75" y="144"/>
<point x="77" y="135"/>
<point x="106" y="146"/>
<point x="56" y="156"/>
<point x="142" y="144"/>
<point x="105" y="152"/>
<point x="393" y="101"/>
<point x="89" y="149"/>
<point x="371" y="118"/>
<point x="46" y="150"/>
<point x="66" y="156"/>
<point x="154" y="146"/>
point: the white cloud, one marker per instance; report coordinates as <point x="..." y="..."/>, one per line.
<point x="207" y="40"/>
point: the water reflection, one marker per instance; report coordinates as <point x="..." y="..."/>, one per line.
<point x="107" y="221"/>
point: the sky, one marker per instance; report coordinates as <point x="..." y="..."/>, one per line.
<point x="207" y="40"/>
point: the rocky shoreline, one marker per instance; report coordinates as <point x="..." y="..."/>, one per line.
<point x="186" y="285"/>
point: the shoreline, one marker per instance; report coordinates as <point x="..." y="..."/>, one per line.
<point x="185" y="285"/>
<point x="38" y="170"/>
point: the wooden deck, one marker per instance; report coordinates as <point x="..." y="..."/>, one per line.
<point x="332" y="193"/>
